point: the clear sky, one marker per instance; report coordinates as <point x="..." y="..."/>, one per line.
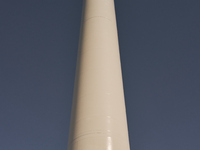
<point x="160" y="51"/>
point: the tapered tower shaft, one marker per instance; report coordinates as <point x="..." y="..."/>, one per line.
<point x="98" y="120"/>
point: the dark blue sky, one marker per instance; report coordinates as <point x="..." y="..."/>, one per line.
<point x="160" y="51"/>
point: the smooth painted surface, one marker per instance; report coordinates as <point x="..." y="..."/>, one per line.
<point x="98" y="116"/>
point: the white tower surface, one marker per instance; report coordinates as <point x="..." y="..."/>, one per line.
<point x="98" y="120"/>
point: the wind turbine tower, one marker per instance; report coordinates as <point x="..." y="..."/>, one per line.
<point x="98" y="119"/>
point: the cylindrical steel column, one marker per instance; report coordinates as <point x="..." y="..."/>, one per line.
<point x="98" y="120"/>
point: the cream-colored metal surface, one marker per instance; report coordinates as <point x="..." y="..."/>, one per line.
<point x="98" y="120"/>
